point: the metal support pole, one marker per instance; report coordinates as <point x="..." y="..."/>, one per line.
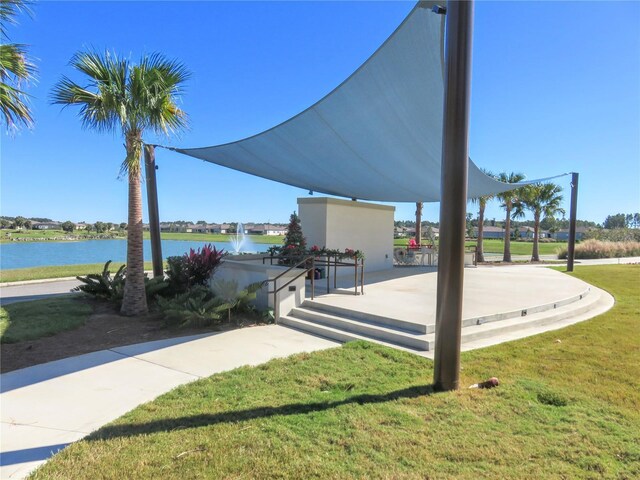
<point x="313" y="277"/>
<point x="152" y="202"/>
<point x="453" y="198"/>
<point x="572" y="222"/>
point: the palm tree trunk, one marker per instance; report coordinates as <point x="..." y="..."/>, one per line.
<point x="480" y="246"/>
<point x="507" y="236"/>
<point x="135" y="300"/>
<point x="535" y="256"/>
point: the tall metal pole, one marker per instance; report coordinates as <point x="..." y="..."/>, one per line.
<point x="572" y="221"/>
<point x="152" y="202"/>
<point x="453" y="199"/>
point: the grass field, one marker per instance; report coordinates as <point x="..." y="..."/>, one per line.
<point x="212" y="237"/>
<point x="497" y="246"/>
<point x="38" y="273"/>
<point x="41" y="318"/>
<point x="43" y="235"/>
<point x="567" y="407"/>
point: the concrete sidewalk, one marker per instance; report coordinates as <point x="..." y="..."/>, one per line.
<point x="46" y="407"/>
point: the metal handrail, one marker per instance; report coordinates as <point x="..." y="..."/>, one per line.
<point x="276" y="289"/>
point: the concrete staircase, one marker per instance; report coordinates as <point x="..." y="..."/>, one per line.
<point x="345" y="325"/>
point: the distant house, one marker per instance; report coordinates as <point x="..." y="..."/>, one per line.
<point x="490" y="232"/>
<point x="80" y="226"/>
<point x="265" y="229"/>
<point x="46" y="226"/>
<point x="434" y="230"/>
<point x="529" y="232"/>
<point x="563" y="235"/>
<point x="197" y="228"/>
<point x="171" y="227"/>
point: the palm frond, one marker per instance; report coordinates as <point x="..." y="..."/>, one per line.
<point x="9" y="10"/>
<point x="130" y="97"/>
<point x="14" y="63"/>
<point x="13" y="108"/>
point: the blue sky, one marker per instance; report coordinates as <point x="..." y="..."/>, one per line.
<point x="555" y="88"/>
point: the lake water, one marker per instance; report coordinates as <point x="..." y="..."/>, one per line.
<point x="37" y="254"/>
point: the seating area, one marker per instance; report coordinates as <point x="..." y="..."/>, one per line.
<point x="426" y="255"/>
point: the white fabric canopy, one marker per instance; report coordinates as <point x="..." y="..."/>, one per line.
<point x="377" y="136"/>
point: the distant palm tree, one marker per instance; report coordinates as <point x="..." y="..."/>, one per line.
<point x="482" y="204"/>
<point x="543" y="199"/>
<point x="508" y="199"/>
<point x="127" y="98"/>
<point x="15" y="69"/>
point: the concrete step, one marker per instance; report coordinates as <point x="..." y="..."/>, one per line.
<point x="602" y="302"/>
<point x="342" y="335"/>
<point x="367" y="329"/>
<point x="368" y="317"/>
<point x="530" y="321"/>
<point x="496" y="328"/>
<point x="523" y="312"/>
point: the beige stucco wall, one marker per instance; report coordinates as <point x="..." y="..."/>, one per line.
<point x="247" y="271"/>
<point x="334" y="223"/>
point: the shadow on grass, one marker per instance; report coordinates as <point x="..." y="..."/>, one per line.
<point x="204" y="420"/>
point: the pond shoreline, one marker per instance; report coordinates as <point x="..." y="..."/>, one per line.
<point x="48" y="255"/>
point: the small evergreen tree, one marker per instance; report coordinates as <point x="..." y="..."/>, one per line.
<point x="294" y="242"/>
<point x="294" y="233"/>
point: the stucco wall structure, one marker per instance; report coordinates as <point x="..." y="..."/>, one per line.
<point x="335" y="223"/>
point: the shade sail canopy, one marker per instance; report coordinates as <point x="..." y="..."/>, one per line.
<point x="377" y="136"/>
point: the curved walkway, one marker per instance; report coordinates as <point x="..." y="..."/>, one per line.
<point x="48" y="406"/>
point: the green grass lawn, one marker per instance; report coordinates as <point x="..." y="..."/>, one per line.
<point x="497" y="246"/>
<point x="38" y="273"/>
<point x="41" y="318"/>
<point x="214" y="237"/>
<point x="42" y="235"/>
<point x="567" y="409"/>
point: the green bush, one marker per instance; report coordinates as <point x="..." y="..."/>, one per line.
<point x="102" y="285"/>
<point x="614" y="235"/>
<point x="603" y="249"/>
<point x="197" y="307"/>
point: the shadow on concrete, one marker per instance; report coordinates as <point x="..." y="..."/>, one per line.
<point x="30" y="454"/>
<point x="46" y="371"/>
<point x="197" y="421"/>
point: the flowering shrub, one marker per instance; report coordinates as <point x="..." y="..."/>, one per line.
<point x="193" y="268"/>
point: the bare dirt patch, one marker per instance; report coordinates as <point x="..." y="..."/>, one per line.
<point x="104" y="329"/>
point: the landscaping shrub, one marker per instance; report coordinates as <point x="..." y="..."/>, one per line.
<point x="102" y="285"/>
<point x="603" y="249"/>
<point x="193" y="268"/>
<point x="238" y="300"/>
<point x="614" y="234"/>
<point x="200" y="306"/>
<point x="197" y="307"/>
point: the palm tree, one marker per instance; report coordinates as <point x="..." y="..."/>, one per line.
<point x="508" y="199"/>
<point x="543" y="199"/>
<point x="127" y="98"/>
<point x="15" y="69"/>
<point x="482" y="204"/>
